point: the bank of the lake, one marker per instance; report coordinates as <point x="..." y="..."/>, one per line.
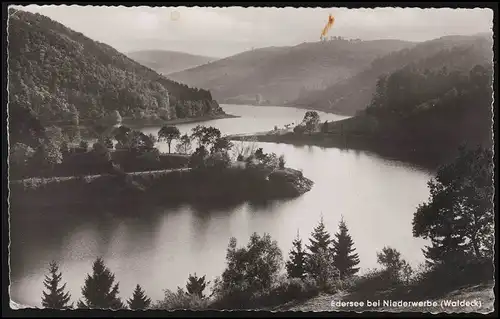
<point x="87" y="131"/>
<point x="136" y="122"/>
<point x="427" y="137"/>
<point x="233" y="184"/>
<point x="427" y="157"/>
<point x="288" y="105"/>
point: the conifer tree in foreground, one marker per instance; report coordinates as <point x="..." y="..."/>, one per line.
<point x="196" y="285"/>
<point x="55" y="298"/>
<point x="99" y="291"/>
<point x="139" y="300"/>
<point x="320" y="238"/>
<point x="296" y="265"/>
<point x="343" y="251"/>
<point x="320" y="241"/>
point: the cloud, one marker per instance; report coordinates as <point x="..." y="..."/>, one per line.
<point x="226" y="31"/>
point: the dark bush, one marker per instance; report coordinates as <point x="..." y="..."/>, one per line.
<point x="445" y="277"/>
<point x="282" y="291"/>
<point x="288" y="289"/>
<point x="180" y="300"/>
<point x="281" y="162"/>
<point x="299" y="129"/>
<point x="372" y="281"/>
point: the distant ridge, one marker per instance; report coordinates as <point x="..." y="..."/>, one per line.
<point x="353" y="94"/>
<point x="165" y="62"/>
<point x="276" y="75"/>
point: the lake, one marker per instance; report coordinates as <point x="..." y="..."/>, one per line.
<point x="160" y="246"/>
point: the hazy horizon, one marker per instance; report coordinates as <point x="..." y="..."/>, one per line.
<point x="223" y="32"/>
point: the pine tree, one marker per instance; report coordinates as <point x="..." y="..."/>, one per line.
<point x="98" y="290"/>
<point x="296" y="265"/>
<point x="343" y="250"/>
<point x="320" y="238"/>
<point x="55" y="298"/>
<point x="196" y="285"/>
<point x="320" y="241"/>
<point x="139" y="299"/>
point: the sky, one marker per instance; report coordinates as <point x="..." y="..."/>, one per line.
<point x="221" y="32"/>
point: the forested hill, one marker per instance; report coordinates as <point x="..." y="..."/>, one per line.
<point x="56" y="72"/>
<point x="458" y="53"/>
<point x="431" y="113"/>
<point x="275" y="75"/>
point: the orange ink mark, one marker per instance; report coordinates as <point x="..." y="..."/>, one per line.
<point x="328" y="26"/>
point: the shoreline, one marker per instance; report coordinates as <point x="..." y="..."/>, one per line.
<point x="181" y="186"/>
<point x="159" y="122"/>
<point x="86" y="131"/>
<point x="305" y="107"/>
<point x="300" y="107"/>
<point x="400" y="151"/>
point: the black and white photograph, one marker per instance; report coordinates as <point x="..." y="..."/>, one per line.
<point x="225" y="158"/>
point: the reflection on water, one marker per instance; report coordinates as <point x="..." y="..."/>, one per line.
<point x="158" y="247"/>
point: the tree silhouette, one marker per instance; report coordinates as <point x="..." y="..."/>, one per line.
<point x="296" y="265"/>
<point x="394" y="264"/>
<point x="121" y="135"/>
<point x="320" y="240"/>
<point x="222" y="144"/>
<point x="139" y="299"/>
<point x="210" y="135"/>
<point x="99" y="291"/>
<point x="139" y="142"/>
<point x="343" y="251"/>
<point x="197" y="134"/>
<point x="169" y="133"/>
<point x="196" y="285"/>
<point x="259" y="154"/>
<point x="311" y="121"/>
<point x="184" y="145"/>
<point x="252" y="268"/>
<point x="55" y="298"/>
<point x="206" y="136"/>
<point x="299" y="129"/>
<point x="458" y="218"/>
<point x="197" y="159"/>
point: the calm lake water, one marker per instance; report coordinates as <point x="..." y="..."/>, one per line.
<point x="159" y="247"/>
